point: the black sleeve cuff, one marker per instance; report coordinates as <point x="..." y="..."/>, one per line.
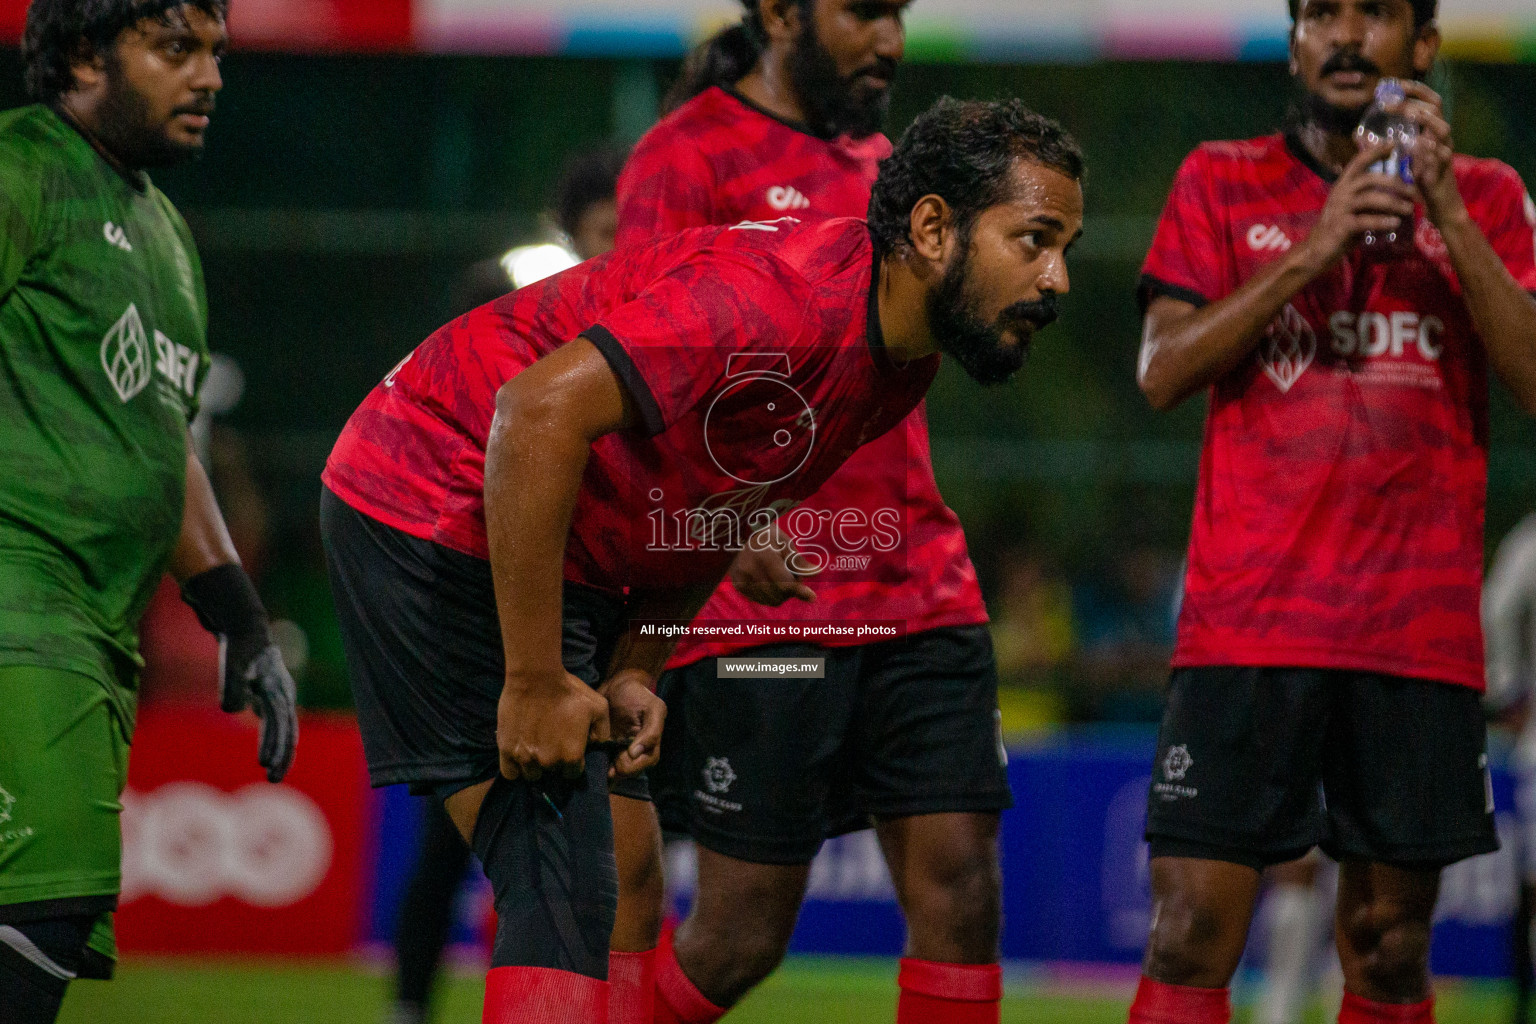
<point x="645" y="403"/>
<point x="1151" y="287"/>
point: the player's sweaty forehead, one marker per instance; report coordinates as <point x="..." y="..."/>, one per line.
<point x="1043" y="199"/>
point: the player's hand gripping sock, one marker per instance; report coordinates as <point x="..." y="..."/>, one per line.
<point x="1365" y="1011"/>
<point x="678" y="1000"/>
<point x="1157" y="1003"/>
<point x="936" y="993"/>
<point x="542" y="995"/>
<point x="632" y="987"/>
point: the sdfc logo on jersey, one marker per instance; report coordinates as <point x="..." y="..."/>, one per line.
<point x="125" y="355"/>
<point x="1288" y="348"/>
<point x="785" y="197"/>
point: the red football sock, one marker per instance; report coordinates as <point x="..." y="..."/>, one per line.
<point x="935" y="993"/>
<point x="1365" y="1011"/>
<point x="678" y="1000"/>
<point x="1157" y="1003"/>
<point x="631" y="987"/>
<point x="540" y="995"/>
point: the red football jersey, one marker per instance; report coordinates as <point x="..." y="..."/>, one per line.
<point x="1339" y="515"/>
<point x="751" y="354"/>
<point x="897" y="554"/>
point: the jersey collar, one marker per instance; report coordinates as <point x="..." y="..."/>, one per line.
<point x="1299" y="150"/>
<point x="798" y="126"/>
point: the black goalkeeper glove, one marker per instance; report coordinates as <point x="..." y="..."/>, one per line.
<point x="251" y="669"/>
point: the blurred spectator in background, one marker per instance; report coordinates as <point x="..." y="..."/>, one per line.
<point x="1296" y="922"/>
<point x="1125" y="627"/>
<point x="587" y="218"/>
<point x="1032" y="625"/>
<point x="581" y="225"/>
<point x="1509" y="633"/>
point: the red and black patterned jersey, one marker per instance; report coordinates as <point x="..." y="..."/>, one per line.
<point x="751" y="356"/>
<point x="898" y="554"/>
<point x="1339" y="514"/>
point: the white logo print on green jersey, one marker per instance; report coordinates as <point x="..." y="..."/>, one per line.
<point x="125" y="355"/>
<point x="6" y="803"/>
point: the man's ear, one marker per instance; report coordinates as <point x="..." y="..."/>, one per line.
<point x="87" y="66"/>
<point x="1426" y="47"/>
<point x="931" y="228"/>
<point x="781" y="20"/>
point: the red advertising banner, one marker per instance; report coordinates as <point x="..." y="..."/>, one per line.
<point x="218" y="860"/>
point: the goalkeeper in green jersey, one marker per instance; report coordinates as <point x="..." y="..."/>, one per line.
<point x="102" y="350"/>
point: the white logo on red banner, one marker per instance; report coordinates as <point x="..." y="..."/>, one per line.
<point x="191" y="844"/>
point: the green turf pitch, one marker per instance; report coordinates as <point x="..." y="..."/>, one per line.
<point x="806" y="989"/>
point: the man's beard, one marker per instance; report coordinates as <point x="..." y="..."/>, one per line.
<point x="835" y="105"/>
<point x="127" y="130"/>
<point x="963" y="334"/>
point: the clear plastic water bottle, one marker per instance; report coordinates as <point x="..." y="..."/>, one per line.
<point x="1383" y="125"/>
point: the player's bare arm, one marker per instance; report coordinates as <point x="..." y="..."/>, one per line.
<point x="635" y="713"/>
<point x="546" y="420"/>
<point x="251" y="670"/>
<point x="1186" y="348"/>
<point x="1504" y="312"/>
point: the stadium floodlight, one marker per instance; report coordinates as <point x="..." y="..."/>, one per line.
<point x="529" y="263"/>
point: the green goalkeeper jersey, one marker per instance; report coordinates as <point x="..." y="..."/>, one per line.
<point x="103" y="323"/>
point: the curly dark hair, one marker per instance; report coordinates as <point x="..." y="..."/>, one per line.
<point x="588" y="177"/>
<point x="1423" y="11"/>
<point x="963" y="151"/>
<point x="725" y="57"/>
<point x="60" y="32"/>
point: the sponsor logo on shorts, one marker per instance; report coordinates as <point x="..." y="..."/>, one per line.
<point x="718" y="775"/>
<point x="718" y="779"/>
<point x="1176" y="765"/>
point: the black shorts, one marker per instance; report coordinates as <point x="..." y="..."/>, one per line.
<point x="423" y="647"/>
<point x="1258" y="765"/>
<point x="764" y="769"/>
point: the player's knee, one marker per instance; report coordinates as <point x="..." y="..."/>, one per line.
<point x="1391" y="952"/>
<point x="640" y="873"/>
<point x="953" y="907"/>
<point x="729" y="958"/>
<point x="38" y="959"/>
<point x="1189" y="943"/>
